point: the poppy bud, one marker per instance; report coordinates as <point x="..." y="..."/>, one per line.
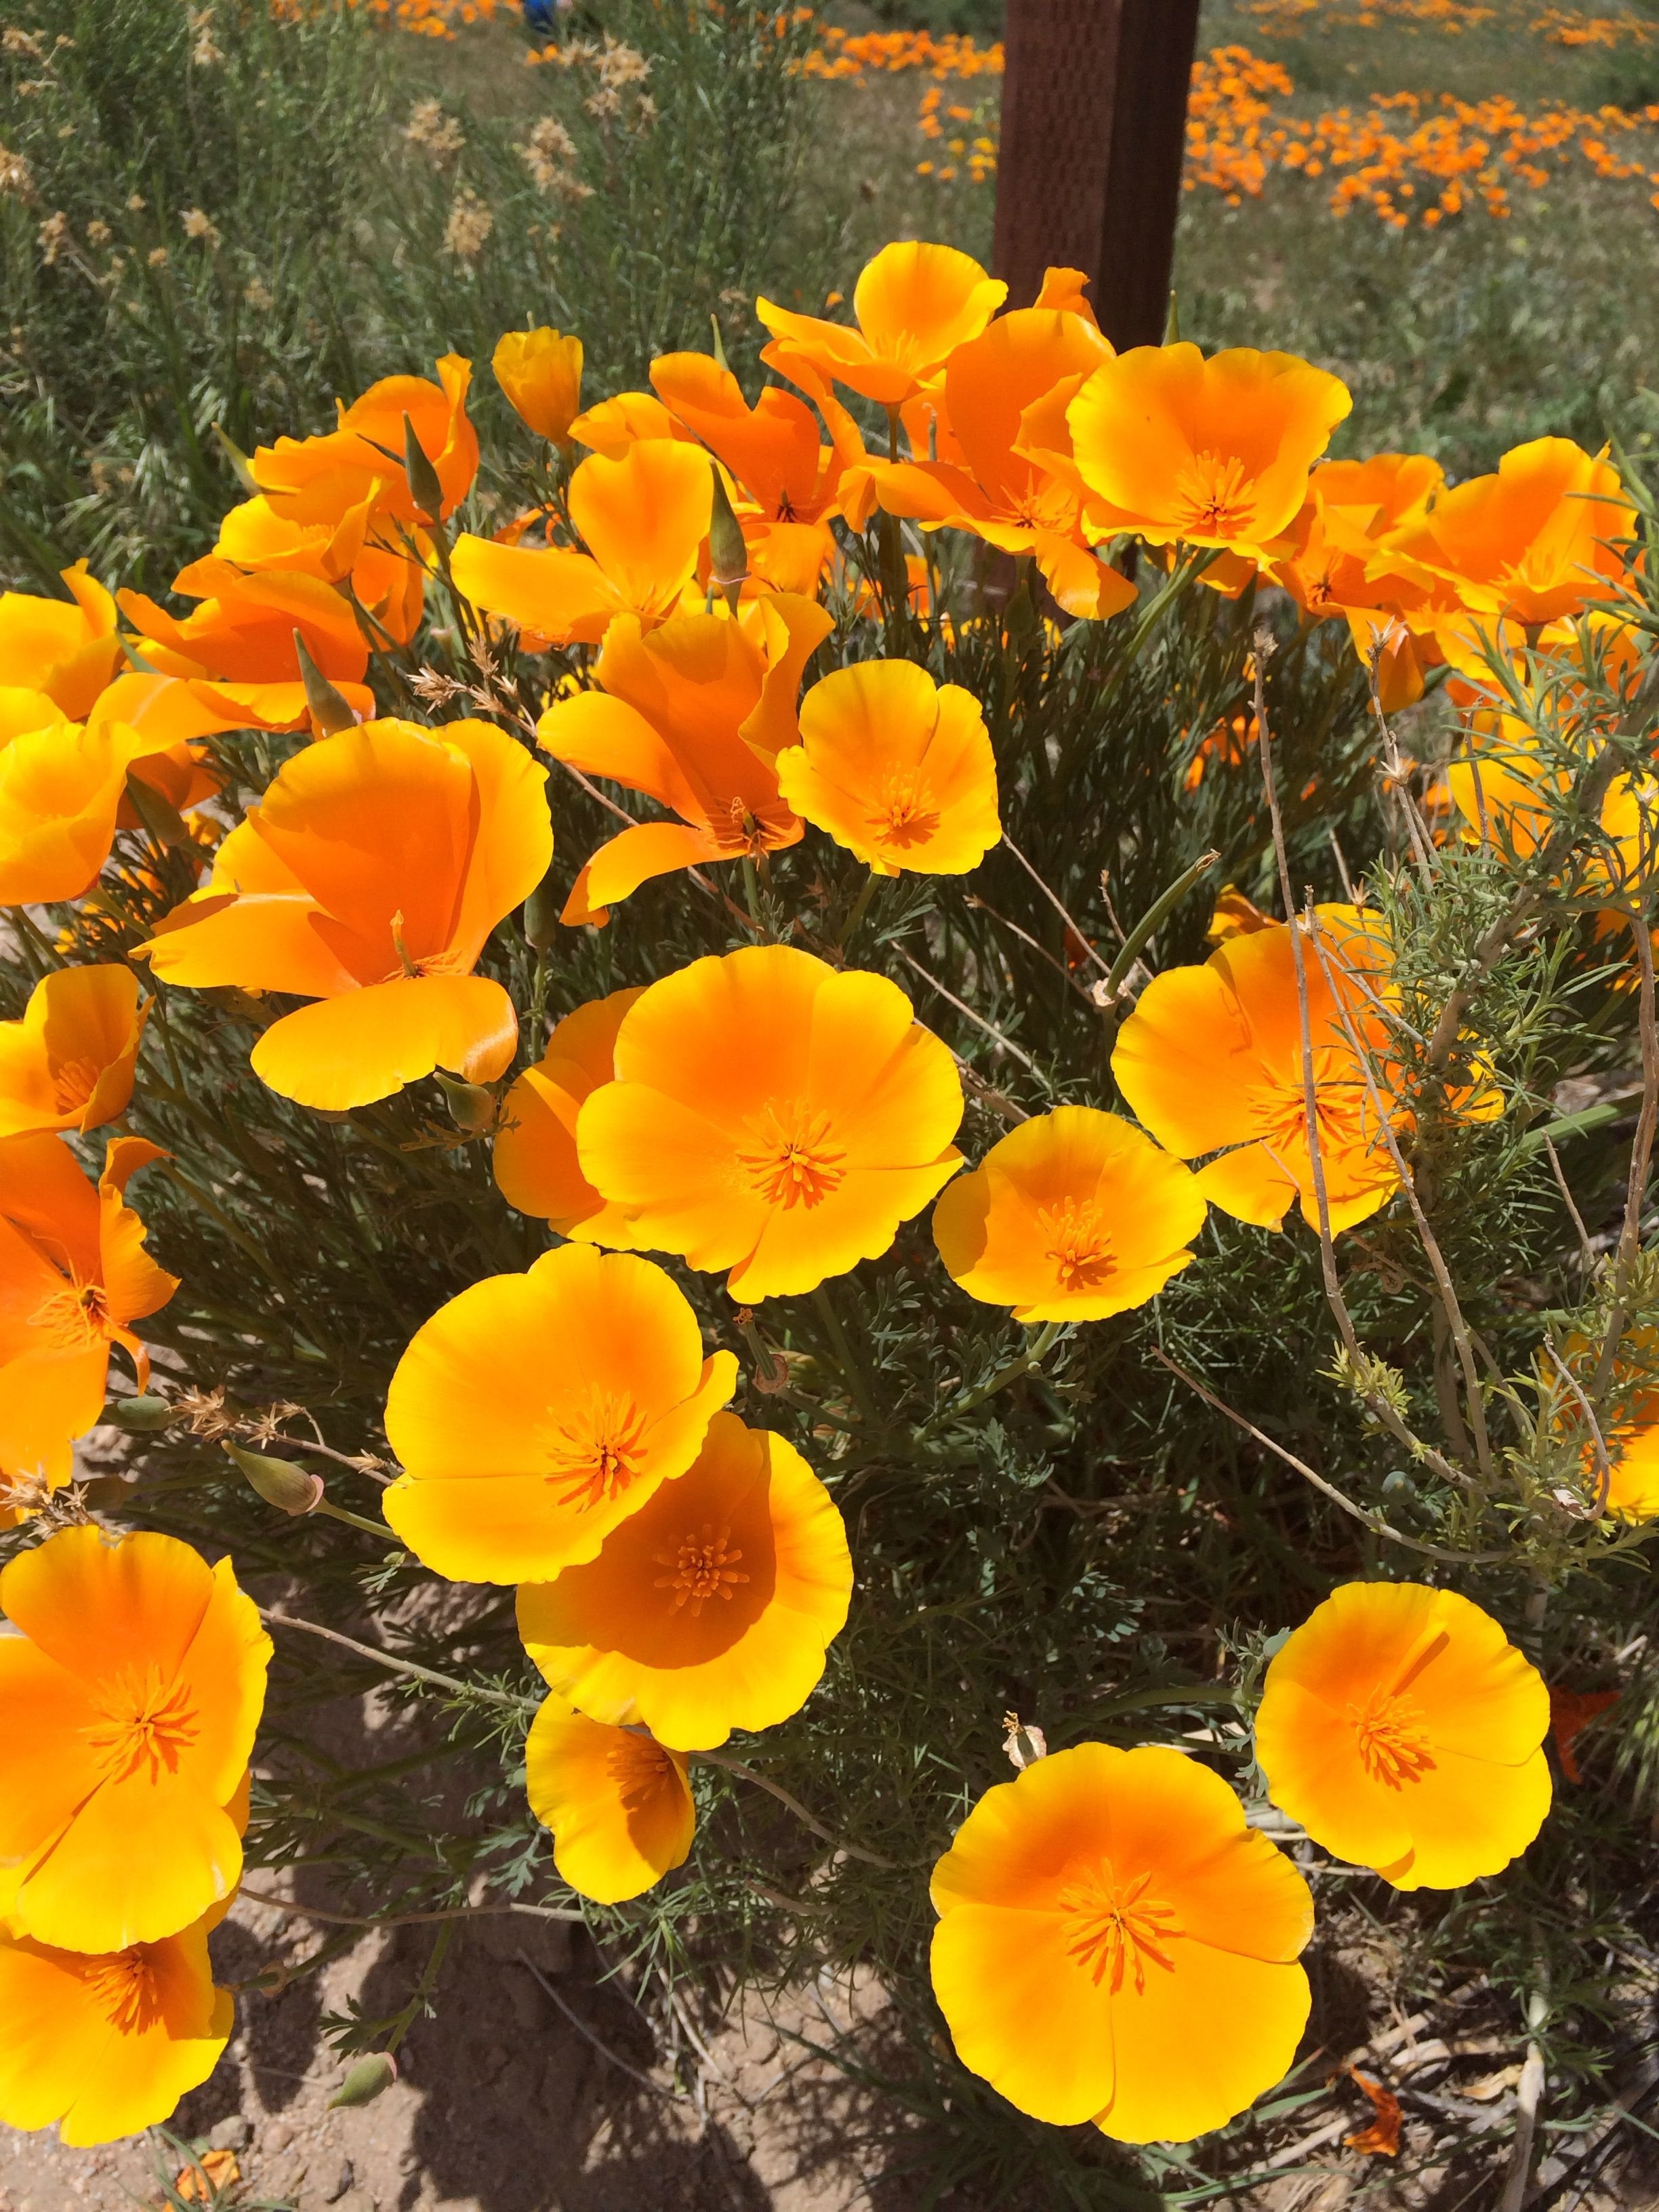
<point x="366" y="2080"/>
<point x="541" y="915"/>
<point x="728" y="556"/>
<point x="329" y="710"/>
<point x="141" y="1415"/>
<point x="424" y="487"/>
<point x="160" y="817"/>
<point x="470" y="1104"/>
<point x="278" y="1481"/>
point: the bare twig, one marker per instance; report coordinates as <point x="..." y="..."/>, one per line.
<point x="1054" y="900"/>
<point x="793" y="1805"/>
<point x="1586" y="1256"/>
<point x="592" y="2040"/>
<point x="989" y="1028"/>
<point x="396" y="1666"/>
<point x="402" y="1920"/>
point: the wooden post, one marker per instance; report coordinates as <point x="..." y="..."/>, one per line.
<point x="1094" y="112"/>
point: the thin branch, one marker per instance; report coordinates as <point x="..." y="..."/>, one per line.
<point x="396" y="1666"/>
<point x="1054" y="900"/>
<point x="402" y="1920"/>
<point x="793" y="1804"/>
<point x="989" y="1028"/>
<point x="1586" y="1256"/>
<point x="1603" y="1463"/>
<point x="592" y="2040"/>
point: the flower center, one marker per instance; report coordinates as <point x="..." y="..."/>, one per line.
<point x="143" y="1722"/>
<point x="1277" y="1106"/>
<point x="1213" y="495"/>
<point x="1116" y="1930"/>
<point x="594" y="1454"/>
<point x="701" y="1567"/>
<point x="1394" y="1738"/>
<point x="639" y="1766"/>
<point x="907" y="812"/>
<point x="76" y="1316"/>
<point x="1078" y="1246"/>
<point x="122" y="1987"/>
<point x="73" y="1082"/>
<point x="791" y="1159"/>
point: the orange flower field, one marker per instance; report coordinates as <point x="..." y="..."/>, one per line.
<point x="958" y="1045"/>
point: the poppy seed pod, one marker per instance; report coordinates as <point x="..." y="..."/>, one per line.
<point x="143" y="1415"/>
<point x="472" y="1107"/>
<point x="728" y="556"/>
<point x="541" y="915"/>
<point x="366" y="2080"/>
<point x="424" y="489"/>
<point x="330" y="710"/>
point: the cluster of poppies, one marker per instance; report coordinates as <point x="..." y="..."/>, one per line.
<point x="1114" y="1942"/>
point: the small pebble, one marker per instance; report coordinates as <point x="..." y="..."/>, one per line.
<point x="233" y="2133"/>
<point x="343" y="2182"/>
<point x="276" y="2136"/>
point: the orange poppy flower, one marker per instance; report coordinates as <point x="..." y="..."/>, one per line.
<point x="613" y="425"/>
<point x="690" y="712"/>
<point x="386" y="565"/>
<point x="1203" y="452"/>
<point x="1033" y="358"/>
<point x="619" y="1805"/>
<point x="67" y="648"/>
<point x="643" y="519"/>
<point x="534" y="1413"/>
<point x="897" y="768"/>
<point x="311" y="478"/>
<point x="106" y="2044"/>
<point x="789" y="484"/>
<point x="1537" y="541"/>
<point x="913" y="305"/>
<point x="535" y="1160"/>
<point x="368" y="879"/>
<point x="61" y="790"/>
<point x="540" y="373"/>
<point x="1071" y="1216"/>
<point x="1404" y="1731"/>
<point x="243" y="630"/>
<point x="1116" y="1945"/>
<point x="1212" y="1058"/>
<point x="710" y="1608"/>
<point x="73" y="1273"/>
<point x="771" y="1117"/>
<point x="69" y="1063"/>
<point x="131" y="1695"/>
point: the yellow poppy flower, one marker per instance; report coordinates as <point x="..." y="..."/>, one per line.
<point x="69" y="650"/>
<point x="1116" y="1945"/>
<point x="540" y="373"/>
<point x="368" y="879"/>
<point x="897" y="768"/>
<point x="1203" y="452"/>
<point x="1402" y="1727"/>
<point x="710" y="1608"/>
<point x="61" y="790"/>
<point x="69" y="1063"/>
<point x="534" y="1413"/>
<point x="535" y="1160"/>
<point x="1073" y="1215"/>
<point x="771" y="1117"/>
<point x="619" y="1805"/>
<point x="106" y="2044"/>
<point x="913" y="305"/>
<point x="129" y="1701"/>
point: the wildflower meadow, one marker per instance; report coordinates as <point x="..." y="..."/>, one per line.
<point x="825" y="1123"/>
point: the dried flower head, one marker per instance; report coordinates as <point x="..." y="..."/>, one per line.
<point x="55" y="239"/>
<point x="16" y="178"/>
<point x="437" y="135"/>
<point x="549" y="154"/>
<point x="198" y="225"/>
<point x="470" y="224"/>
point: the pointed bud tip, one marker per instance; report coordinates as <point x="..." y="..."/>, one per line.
<point x="369" y="2078"/>
<point x="290" y="1488"/>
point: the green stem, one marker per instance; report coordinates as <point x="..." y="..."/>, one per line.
<point x="538" y="1007"/>
<point x="355" y="1519"/>
<point x="752" y="893"/>
<point x="1042" y="1341"/>
<point x="417" y="2004"/>
<point x="860" y="907"/>
<point x="852" y="1374"/>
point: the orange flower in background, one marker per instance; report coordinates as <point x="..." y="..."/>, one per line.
<point x="619" y="1805"/>
<point x="1572" y="1712"/>
<point x="1023" y="502"/>
<point x="67" y="648"/>
<point x="1199" y="453"/>
<point x="1402" y="1727"/>
<point x="243" y="630"/>
<point x="897" y="768"/>
<point x="643" y="519"/>
<point x="61" y="790"/>
<point x="913" y="305"/>
<point x="789" y="484"/>
<point x="540" y="373"/>
<point x="1212" y="1057"/>
<point x="611" y="426"/>
<point x="1116" y="1945"/>
<point x="1073" y="1215"/>
<point x="771" y="1117"/>
<point x="106" y="2044"/>
<point x="69" y="1063"/>
<point x="711" y="1608"/>
<point x="74" y="1274"/>
<point x="534" y="1413"/>
<point x="130" y="1696"/>
<point x="1537" y="541"/>
<point x="534" y="1159"/>
<point x="690" y="714"/>
<point x="368" y="879"/>
<point x="310" y="479"/>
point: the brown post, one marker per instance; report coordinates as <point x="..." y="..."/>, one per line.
<point x="1094" y="112"/>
